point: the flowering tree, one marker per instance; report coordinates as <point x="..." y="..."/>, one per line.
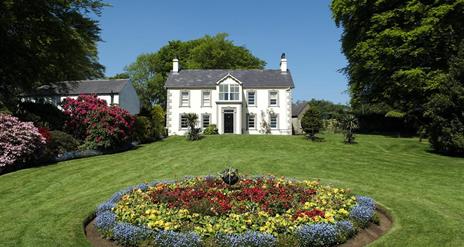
<point x="100" y="125"/>
<point x="19" y="141"/>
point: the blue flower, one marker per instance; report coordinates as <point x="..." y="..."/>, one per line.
<point x="107" y="206"/>
<point x="365" y="201"/>
<point x="249" y="239"/>
<point x="320" y="234"/>
<point x="143" y="187"/>
<point x="177" y="239"/>
<point x="362" y="214"/>
<point x="130" y="235"/>
<point x="105" y="221"/>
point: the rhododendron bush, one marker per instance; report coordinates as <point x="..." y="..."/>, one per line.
<point x="19" y="141"/>
<point x="99" y="125"/>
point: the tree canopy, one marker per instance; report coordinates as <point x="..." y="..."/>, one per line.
<point x="45" y="41"/>
<point x="404" y="59"/>
<point x="398" y="51"/>
<point x="149" y="72"/>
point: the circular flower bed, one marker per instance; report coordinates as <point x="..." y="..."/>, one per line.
<point x="262" y="211"/>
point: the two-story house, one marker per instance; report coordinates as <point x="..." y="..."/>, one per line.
<point x="236" y="101"/>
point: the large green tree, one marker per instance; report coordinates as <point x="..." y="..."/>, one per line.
<point x="45" y="41"/>
<point x="398" y="51"/>
<point x="149" y="72"/>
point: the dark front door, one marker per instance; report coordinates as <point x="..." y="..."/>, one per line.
<point x="228" y="123"/>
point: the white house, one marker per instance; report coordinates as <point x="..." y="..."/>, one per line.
<point x="237" y="101"/>
<point x="117" y="92"/>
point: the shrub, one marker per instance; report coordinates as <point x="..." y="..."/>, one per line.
<point x="193" y="133"/>
<point x="143" y="130"/>
<point x="20" y="141"/>
<point x="349" y="123"/>
<point x="157" y="119"/>
<point x="101" y="126"/>
<point x="42" y="114"/>
<point x="319" y="234"/>
<point x="59" y="143"/>
<point x="311" y="122"/>
<point x="211" y="130"/>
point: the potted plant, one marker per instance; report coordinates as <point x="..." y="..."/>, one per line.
<point x="230" y="176"/>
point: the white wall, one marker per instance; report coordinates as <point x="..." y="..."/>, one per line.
<point x="283" y="109"/>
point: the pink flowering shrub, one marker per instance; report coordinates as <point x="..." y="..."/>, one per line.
<point x="19" y="141"/>
<point x="99" y="125"/>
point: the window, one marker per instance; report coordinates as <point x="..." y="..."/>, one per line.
<point x="206" y="98"/>
<point x="273" y="121"/>
<point x="273" y="98"/>
<point x="184" y="98"/>
<point x="234" y="92"/>
<point x="205" y="120"/>
<point x="229" y="92"/>
<point x="251" y="121"/>
<point x="251" y="98"/>
<point x="183" y="121"/>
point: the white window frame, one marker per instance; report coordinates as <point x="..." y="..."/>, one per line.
<point x="203" y="98"/>
<point x="254" y="98"/>
<point x="180" y="121"/>
<point x="203" y="120"/>
<point x="277" y="121"/>
<point x="277" y="98"/>
<point x="249" y="115"/>
<point x="181" y="104"/>
<point x="226" y="93"/>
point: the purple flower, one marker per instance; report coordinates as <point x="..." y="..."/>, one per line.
<point x="362" y="214"/>
<point x="105" y="221"/>
<point x="177" y="239"/>
<point x="130" y="235"/>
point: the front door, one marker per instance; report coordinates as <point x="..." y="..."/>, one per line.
<point x="228" y="122"/>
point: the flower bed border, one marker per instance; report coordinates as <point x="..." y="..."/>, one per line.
<point x="367" y="234"/>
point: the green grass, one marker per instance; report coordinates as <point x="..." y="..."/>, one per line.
<point x="45" y="206"/>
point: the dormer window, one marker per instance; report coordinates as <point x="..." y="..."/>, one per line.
<point x="229" y="92"/>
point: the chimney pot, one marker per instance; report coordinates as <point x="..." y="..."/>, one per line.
<point x="283" y="64"/>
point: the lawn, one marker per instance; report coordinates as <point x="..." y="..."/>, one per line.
<point x="45" y="206"/>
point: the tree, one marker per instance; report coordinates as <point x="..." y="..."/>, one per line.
<point x="398" y="51"/>
<point x="150" y="71"/>
<point x="348" y="123"/>
<point x="445" y="110"/>
<point x="46" y="41"/>
<point x="119" y="76"/>
<point x="193" y="133"/>
<point x="311" y="122"/>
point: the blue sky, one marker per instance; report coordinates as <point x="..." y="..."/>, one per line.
<point x="303" y="29"/>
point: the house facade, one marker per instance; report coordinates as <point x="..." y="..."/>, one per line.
<point x="119" y="92"/>
<point x="236" y="101"/>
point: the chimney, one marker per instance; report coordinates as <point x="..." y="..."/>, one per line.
<point x="175" y="65"/>
<point x="283" y="64"/>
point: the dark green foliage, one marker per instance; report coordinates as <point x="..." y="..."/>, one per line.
<point x="193" y="133"/>
<point x="45" y="41"/>
<point x="149" y="72"/>
<point x="143" y="130"/>
<point x="398" y="51"/>
<point x="349" y="124"/>
<point x="157" y="116"/>
<point x="42" y="114"/>
<point x="445" y="111"/>
<point x="59" y="143"/>
<point x="312" y="122"/>
<point x="211" y="130"/>
<point x="328" y="110"/>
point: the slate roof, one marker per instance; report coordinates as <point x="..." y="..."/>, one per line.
<point x="81" y="87"/>
<point x="253" y="78"/>
<point x="298" y="108"/>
